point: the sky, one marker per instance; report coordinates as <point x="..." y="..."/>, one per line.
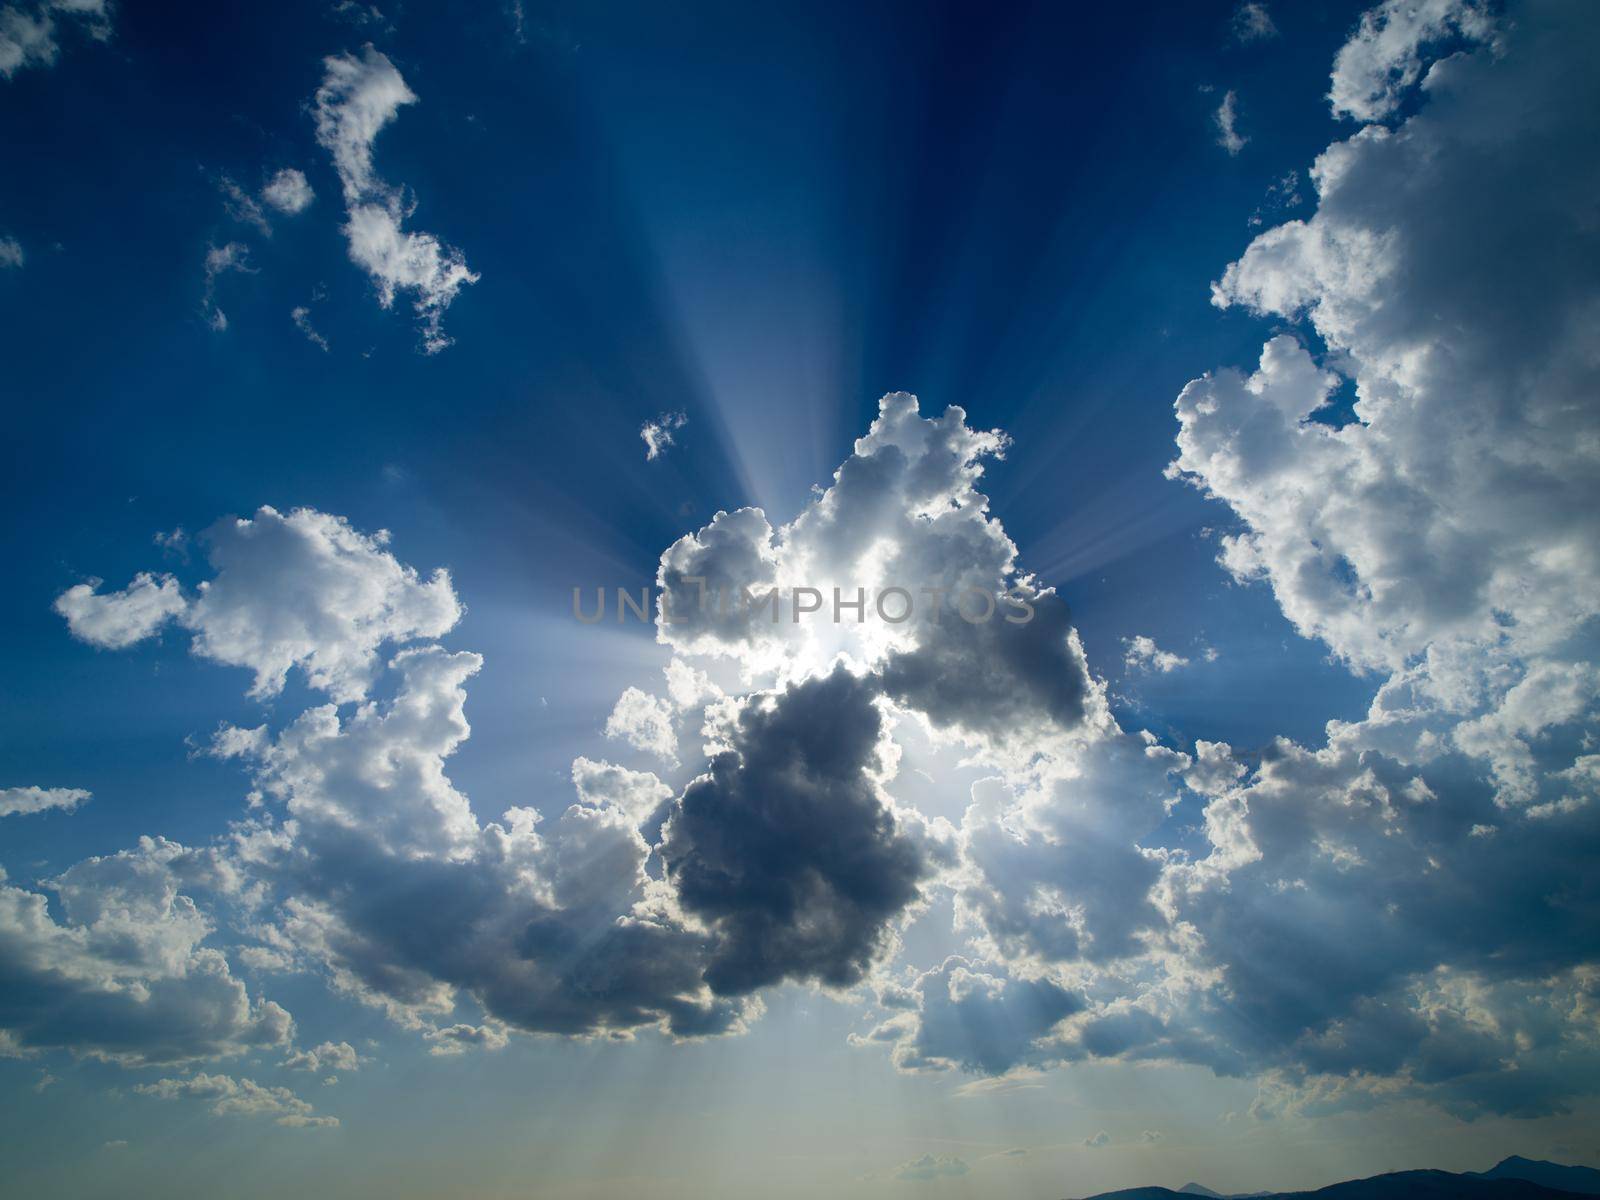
<point x="1250" y="350"/>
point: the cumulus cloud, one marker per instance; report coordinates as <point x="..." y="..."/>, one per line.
<point x="123" y="975"/>
<point x="550" y="927"/>
<point x="458" y="1039"/>
<point x="20" y="801"/>
<point x="975" y="1017"/>
<point x="329" y="1056"/>
<point x="657" y="434"/>
<point x="358" y="97"/>
<point x="930" y="1166"/>
<point x="1391" y="915"/>
<point x="1386" y="54"/>
<point x="230" y="1097"/>
<point x="645" y="722"/>
<point x="1140" y="653"/>
<point x="302" y="589"/>
<point x="115" y="620"/>
<point x="787" y="847"/>
<point x="1403" y="911"/>
<point x="28" y="33"/>
<point x="11" y="253"/>
<point x="1444" y="539"/>
<point x="1226" y="120"/>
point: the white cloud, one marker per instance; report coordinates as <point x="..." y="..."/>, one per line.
<point x="657" y="434"/>
<point x="458" y="1039"/>
<point x="638" y="794"/>
<point x="298" y="590"/>
<point x="1096" y="1140"/>
<point x="288" y="192"/>
<point x="645" y="722"/>
<point x="1140" y="653"/>
<point x="358" y="97"/>
<point x="20" y="801"/>
<point x="11" y="253"/>
<point x="123" y="975"/>
<point x="231" y="1097"/>
<point x="1385" y="55"/>
<point x="1226" y="119"/>
<point x="114" y="620"/>
<point x="329" y="1056"/>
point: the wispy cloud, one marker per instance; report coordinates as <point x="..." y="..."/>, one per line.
<point x="28" y="34"/>
<point x="1253" y="23"/>
<point x="358" y="97"/>
<point x="1226" y="120"/>
<point x="657" y="434"/>
<point x="929" y="1166"/>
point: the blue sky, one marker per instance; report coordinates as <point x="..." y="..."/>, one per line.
<point x="761" y="221"/>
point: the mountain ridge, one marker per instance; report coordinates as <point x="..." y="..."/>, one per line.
<point x="1513" y="1178"/>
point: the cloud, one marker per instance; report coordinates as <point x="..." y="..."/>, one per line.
<point x="232" y="258"/>
<point x="288" y="192"/>
<point x="20" y="801"/>
<point x="123" y="974"/>
<point x="1374" y="942"/>
<point x="243" y="207"/>
<point x="298" y="590"/>
<point x="1140" y="653"/>
<point x="116" y="620"/>
<point x="636" y="794"/>
<point x="458" y="1039"/>
<point x="28" y="35"/>
<point x="929" y="1166"/>
<point x="357" y="98"/>
<point x="11" y="253"/>
<point x="657" y="434"/>
<point x="1351" y="936"/>
<point x="1385" y="55"/>
<point x="977" y="1018"/>
<point x="1096" y="1140"/>
<point x="329" y="1056"/>
<point x="301" y="316"/>
<point x="231" y="1097"/>
<point x="1226" y="119"/>
<point x="645" y="722"/>
<point x="550" y="927"/>
<point x="787" y="849"/>
<point x="1341" y="928"/>
<point x="1253" y="23"/>
<point x="1381" y="537"/>
<point x="1150" y="1136"/>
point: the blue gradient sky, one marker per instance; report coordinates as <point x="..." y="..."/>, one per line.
<point x="764" y="217"/>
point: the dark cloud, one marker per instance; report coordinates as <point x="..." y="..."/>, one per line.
<point x="786" y="848"/>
